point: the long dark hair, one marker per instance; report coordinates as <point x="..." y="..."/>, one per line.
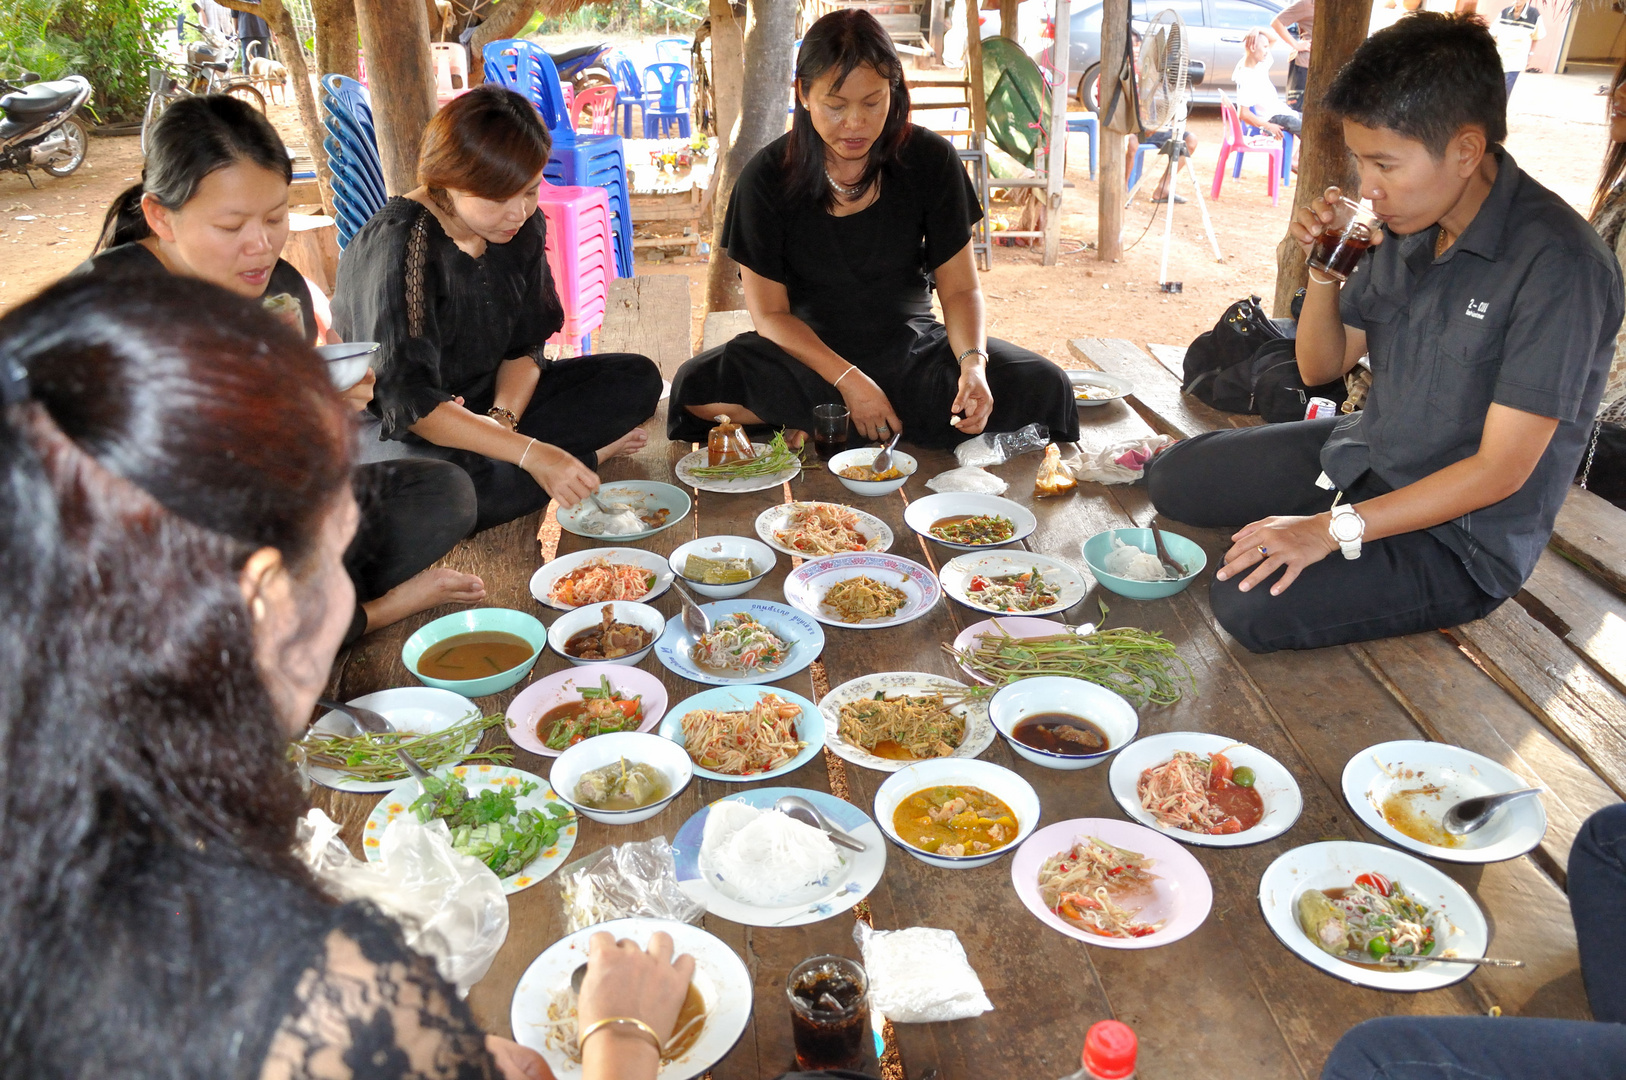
<point x="842" y="41"/>
<point x="161" y="436"/>
<point x="1614" y="161"/>
<point x="191" y="139"/>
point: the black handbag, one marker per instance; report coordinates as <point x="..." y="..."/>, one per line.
<point x="1603" y="469"/>
<point x="1235" y="338"/>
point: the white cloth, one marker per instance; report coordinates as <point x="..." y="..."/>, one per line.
<point x="1517" y="35"/>
<point x="1256" y="93"/>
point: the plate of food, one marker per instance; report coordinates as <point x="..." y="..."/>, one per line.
<point x="750" y="864"/>
<point x="1205" y="789"/>
<point x="751" y="641"/>
<point x="1402" y="789"/>
<point x="891" y="720"/>
<point x="710" y="1022"/>
<point x="631" y="510"/>
<point x="863" y="590"/>
<point x="437" y="727"/>
<point x="1098" y="388"/>
<point x="813" y="530"/>
<point x="742" y="733"/>
<point x="600" y="574"/>
<point x="770" y="465"/>
<point x="969" y="521"/>
<point x="1361" y="912"/>
<point x="1013" y="582"/>
<point x="509" y="819"/>
<point x="557" y="712"/>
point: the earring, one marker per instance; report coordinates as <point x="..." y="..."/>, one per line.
<point x="257" y="608"/>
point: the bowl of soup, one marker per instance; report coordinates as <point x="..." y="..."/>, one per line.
<point x="852" y="468"/>
<point x="622" y="777"/>
<point x="477" y="652"/>
<point x="1061" y="722"/>
<point x="956" y="812"/>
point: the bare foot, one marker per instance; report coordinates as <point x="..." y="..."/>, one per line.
<point x="433" y="587"/>
<point x="627" y="445"/>
<point x="795" y="439"/>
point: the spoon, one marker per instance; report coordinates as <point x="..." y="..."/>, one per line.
<point x="1484" y="961"/>
<point x="1163" y="553"/>
<point x="1471" y="814"/>
<point x="883" y="460"/>
<point x="799" y="809"/>
<point x="694" y="620"/>
<point x="366" y="720"/>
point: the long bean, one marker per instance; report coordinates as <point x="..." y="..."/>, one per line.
<point x="373" y="757"/>
<point x="1136" y="663"/>
<point x="775" y="458"/>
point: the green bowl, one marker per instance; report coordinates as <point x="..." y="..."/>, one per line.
<point x="1185" y="552"/>
<point x="488" y="619"/>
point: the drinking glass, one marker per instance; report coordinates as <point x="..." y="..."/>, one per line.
<point x="1340" y="246"/>
<point x="829" y="1011"/>
<point x="830" y="429"/>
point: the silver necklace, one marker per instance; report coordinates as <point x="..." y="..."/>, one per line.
<point x="842" y="189"/>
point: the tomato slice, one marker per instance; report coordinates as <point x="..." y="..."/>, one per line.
<point x="1219" y="770"/>
<point x="1376" y="882"/>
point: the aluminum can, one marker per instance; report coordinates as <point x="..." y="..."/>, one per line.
<point x="1320" y="407"/>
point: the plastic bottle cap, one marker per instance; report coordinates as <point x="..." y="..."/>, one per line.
<point x="1109" y="1050"/>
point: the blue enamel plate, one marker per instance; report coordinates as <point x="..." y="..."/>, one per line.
<point x="809" y="726"/>
<point x="800" y="631"/>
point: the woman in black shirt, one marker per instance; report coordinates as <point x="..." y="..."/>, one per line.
<point x="840" y="229"/>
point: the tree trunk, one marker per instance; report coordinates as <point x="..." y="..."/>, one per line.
<point x="336" y="37"/>
<point x="1007" y="18"/>
<point x="1340" y="27"/>
<point x="395" y="37"/>
<point x="506" y="20"/>
<point x="1111" y="187"/>
<point x="973" y="71"/>
<point x="723" y="292"/>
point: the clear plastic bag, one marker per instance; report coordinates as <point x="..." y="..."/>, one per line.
<point x="1053" y="478"/>
<point x="974" y="479"/>
<point x="451" y="907"/>
<point x="1121" y="462"/>
<point x="996" y="448"/>
<point x="920" y="975"/>
<point x="623" y="881"/>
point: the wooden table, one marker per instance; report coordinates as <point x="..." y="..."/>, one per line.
<point x="1227" y="1001"/>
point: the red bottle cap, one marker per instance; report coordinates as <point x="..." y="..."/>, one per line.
<point x="1109" y="1050"/>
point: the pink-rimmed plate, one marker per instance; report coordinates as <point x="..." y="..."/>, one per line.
<point x="535" y="700"/>
<point x="1182" y="895"/>
<point x="1017" y="626"/>
<point x="807" y="585"/>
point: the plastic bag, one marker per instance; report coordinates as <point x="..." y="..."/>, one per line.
<point x="451" y="907"/>
<point x="973" y="478"/>
<point x="991" y="448"/>
<point x="1053" y="478"/>
<point x="1121" y="462"/>
<point x="920" y="975"/>
<point x="622" y="881"/>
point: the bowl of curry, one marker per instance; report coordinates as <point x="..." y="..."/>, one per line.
<point x="956" y="813"/>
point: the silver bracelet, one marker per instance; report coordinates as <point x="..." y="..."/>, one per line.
<point x="850" y="369"/>
<point x="980" y="352"/>
<point x="1320" y="281"/>
<point x="526" y="453"/>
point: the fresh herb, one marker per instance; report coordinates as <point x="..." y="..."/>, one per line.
<point x="1135" y="663"/>
<point x="491" y="826"/>
<point x="776" y="458"/>
<point x="372" y="758"/>
<point x="603" y="710"/>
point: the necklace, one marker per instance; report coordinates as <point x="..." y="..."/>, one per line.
<point x="1441" y="243"/>
<point x="841" y="189"/>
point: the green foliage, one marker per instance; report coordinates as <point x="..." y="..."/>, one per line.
<point x="103" y="40"/>
<point x="622" y="17"/>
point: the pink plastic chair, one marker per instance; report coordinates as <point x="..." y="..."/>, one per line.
<point x="361" y="68"/>
<point x="451" y="70"/>
<point x="596" y="105"/>
<point x="580" y="256"/>
<point x="1235" y="142"/>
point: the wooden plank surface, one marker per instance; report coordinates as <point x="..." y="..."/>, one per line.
<point x="1592" y="533"/>
<point x="1172" y="357"/>
<point x="722" y="326"/>
<point x="1157" y="395"/>
<point x="648" y="314"/>
<point x="1586" y="613"/>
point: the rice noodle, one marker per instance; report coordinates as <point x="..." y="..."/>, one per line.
<point x="766" y="857"/>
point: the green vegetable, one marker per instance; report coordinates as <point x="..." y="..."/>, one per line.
<point x="491" y="826"/>
<point x="1135" y="663"/>
<point x="373" y="757"/>
<point x="1378" y="947"/>
<point x="1243" y="777"/>
<point x="775" y="458"/>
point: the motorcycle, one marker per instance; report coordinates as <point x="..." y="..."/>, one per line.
<point x="583" y="66"/>
<point x="40" y="129"/>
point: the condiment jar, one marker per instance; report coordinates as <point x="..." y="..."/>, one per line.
<point x="1109" y="1053"/>
<point x="727" y="442"/>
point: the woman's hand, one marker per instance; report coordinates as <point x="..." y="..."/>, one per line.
<point x="871" y="411"/>
<point x="1313" y="220"/>
<point x="559" y="474"/>
<point x="360" y="394"/>
<point x="1293" y="542"/>
<point x="975" y="402"/>
<point x="624" y="980"/>
<point x="517" y="1062"/>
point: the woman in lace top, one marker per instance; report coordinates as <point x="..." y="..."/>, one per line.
<point x="1609" y="215"/>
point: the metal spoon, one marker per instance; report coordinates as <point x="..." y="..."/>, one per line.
<point x="799" y="809"/>
<point x="1163" y="553"/>
<point x="1471" y="814"/>
<point x="883" y="460"/>
<point x="695" y="621"/>
<point x="1483" y="961"/>
<point x="374" y="723"/>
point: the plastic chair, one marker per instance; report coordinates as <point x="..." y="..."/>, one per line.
<point x="1140" y="160"/>
<point x="1287" y="154"/>
<point x="580" y="257"/>
<point x="1086" y="122"/>
<point x="629" y="90"/>
<point x="674" y="50"/>
<point x="361" y="68"/>
<point x="671" y="78"/>
<point x="1235" y="142"/>
<point x="352" y="150"/>
<point x="597" y="105"/>
<point x="451" y="70"/>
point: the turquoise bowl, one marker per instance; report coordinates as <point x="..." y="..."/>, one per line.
<point x="486" y="619"/>
<point x="1185" y="552"/>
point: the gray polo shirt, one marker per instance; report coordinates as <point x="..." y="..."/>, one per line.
<point x="1521" y="311"/>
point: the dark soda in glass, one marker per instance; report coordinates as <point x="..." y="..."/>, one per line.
<point x="826" y="444"/>
<point x="829" y="1012"/>
<point x="1337" y="251"/>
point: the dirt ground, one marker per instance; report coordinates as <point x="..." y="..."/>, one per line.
<point x="1556" y="133"/>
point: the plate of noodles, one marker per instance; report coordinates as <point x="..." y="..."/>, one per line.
<point x="813" y="530"/>
<point x="1205" y="789"/>
<point x="597" y="575"/>
<point x="750" y="864"/>
<point x="894" y="719"/>
<point x="744" y="733"/>
<point x="863" y="590"/>
<point x="1111" y="883"/>
<point x="711" y="1021"/>
<point x="751" y="641"/>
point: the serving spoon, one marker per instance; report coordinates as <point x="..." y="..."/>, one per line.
<point x="1163" y="553"/>
<point x="1471" y="814"/>
<point x="1483" y="961"/>
<point x="799" y="809"/>
<point x="695" y="621"/>
<point x="883" y="460"/>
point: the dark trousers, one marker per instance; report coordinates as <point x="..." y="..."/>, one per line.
<point x="1512" y="77"/>
<point x="1486" y="1048"/>
<point x="1400" y="585"/>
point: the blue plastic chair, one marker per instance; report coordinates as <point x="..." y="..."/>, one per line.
<point x="674" y="50"/>
<point x="352" y="150"/>
<point x="629" y="89"/>
<point x="1086" y="122"/>
<point x="1287" y="155"/>
<point x="1140" y="159"/>
<point x="671" y="79"/>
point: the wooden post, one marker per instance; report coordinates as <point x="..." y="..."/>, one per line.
<point x="1111" y="188"/>
<point x="973" y="70"/>
<point x="1007" y="18"/>
<point x="934" y="32"/>
<point x="336" y="37"/>
<point x="1340" y="27"/>
<point x="504" y="21"/>
<point x="395" y="36"/>
<point x="1056" y="152"/>
<point x="723" y="292"/>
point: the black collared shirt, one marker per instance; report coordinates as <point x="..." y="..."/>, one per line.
<point x="1521" y="311"/>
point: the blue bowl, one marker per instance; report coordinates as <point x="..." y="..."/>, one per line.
<point x="464" y="622"/>
<point x="1183" y="551"/>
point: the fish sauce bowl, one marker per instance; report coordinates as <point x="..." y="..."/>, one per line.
<point x="476" y="620"/>
<point x="1183" y="551"/>
<point x="996" y="780"/>
<point x="1015" y="702"/>
<point x="659" y="753"/>
<point x="576" y="620"/>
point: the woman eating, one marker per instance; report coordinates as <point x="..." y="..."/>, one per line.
<point x="452" y="281"/>
<point x="841" y="229"/>
<point x="212" y="206"/>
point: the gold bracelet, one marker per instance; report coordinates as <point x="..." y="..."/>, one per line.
<point x="527" y="451"/>
<point x="503" y="416"/>
<point x="655" y="1040"/>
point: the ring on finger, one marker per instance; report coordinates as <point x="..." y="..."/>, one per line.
<point x="1263" y="550"/>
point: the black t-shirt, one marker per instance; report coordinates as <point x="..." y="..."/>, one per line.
<point x="857" y="280"/>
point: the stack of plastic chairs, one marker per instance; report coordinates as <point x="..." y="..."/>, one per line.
<point x="581" y="256"/>
<point x="451" y="70"/>
<point x="577" y="160"/>
<point x="671" y="78"/>
<point x="352" y="154"/>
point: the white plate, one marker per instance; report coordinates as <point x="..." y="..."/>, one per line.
<point x="675" y="649"/>
<point x="423" y="709"/>
<point x="809" y="726"/>
<point x="1099" y="380"/>
<point x="1460" y="930"/>
<point x="1276" y="787"/>
<point x="543" y="580"/>
<point x="979" y="732"/>
<point x="807" y="584"/>
<point x="719" y="975"/>
<point x="685" y="472"/>
<point x="644" y="496"/>
<point x="861" y="870"/>
<point x="876" y="533"/>
<point x="925" y="512"/>
<point x="400" y="798"/>
<point x="1372" y="775"/>
<point x="957" y="573"/>
<point x="1017" y="626"/>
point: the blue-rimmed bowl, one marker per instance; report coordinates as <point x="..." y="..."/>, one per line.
<point x="1183" y="551"/>
<point x="1108" y="711"/>
<point x="996" y="780"/>
<point x="476" y="620"/>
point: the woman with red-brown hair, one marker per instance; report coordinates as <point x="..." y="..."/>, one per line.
<point x="451" y="280"/>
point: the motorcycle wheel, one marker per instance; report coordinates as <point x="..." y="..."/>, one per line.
<point x="247" y="94"/>
<point x="78" y="142"/>
<point x="591" y="76"/>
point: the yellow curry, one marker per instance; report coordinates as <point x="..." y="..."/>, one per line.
<point x="954" y="820"/>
